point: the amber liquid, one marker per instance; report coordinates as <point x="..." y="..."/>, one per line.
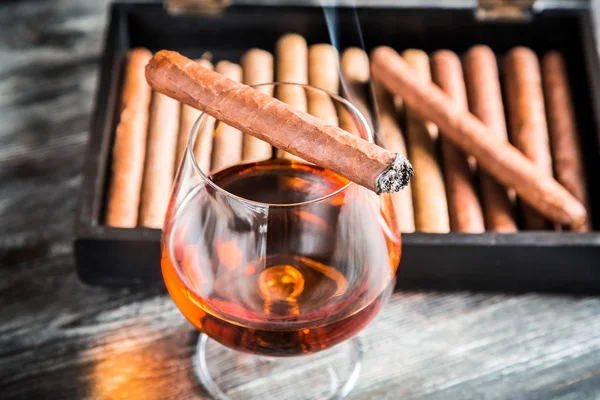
<point x="282" y="280"/>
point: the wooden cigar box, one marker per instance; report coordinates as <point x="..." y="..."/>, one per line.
<point x="524" y="261"/>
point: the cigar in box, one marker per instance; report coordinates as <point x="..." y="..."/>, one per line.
<point x="469" y="261"/>
<point x="227" y="142"/>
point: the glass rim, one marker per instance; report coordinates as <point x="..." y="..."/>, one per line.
<point x="206" y="178"/>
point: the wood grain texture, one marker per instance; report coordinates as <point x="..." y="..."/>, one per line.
<point x="62" y="340"/>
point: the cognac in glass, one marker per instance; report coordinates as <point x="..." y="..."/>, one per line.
<point x="278" y="258"/>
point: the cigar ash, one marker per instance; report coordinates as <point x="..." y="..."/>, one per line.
<point x="396" y="176"/>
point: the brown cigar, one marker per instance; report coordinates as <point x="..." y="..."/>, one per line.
<point x="390" y="136"/>
<point x="258" y="68"/>
<point x="227" y="141"/>
<point x="356" y="75"/>
<point x="129" y="150"/>
<point x="463" y="205"/>
<point x="485" y="102"/>
<point x="323" y="72"/>
<point x="564" y="135"/>
<point x="291" y="57"/>
<point x="203" y="145"/>
<point x="355" y="66"/>
<point x="502" y="160"/>
<point x="189" y="115"/>
<point x="428" y="190"/>
<point x="278" y="123"/>
<point x="160" y="160"/>
<point x="527" y="117"/>
<point x="204" y="139"/>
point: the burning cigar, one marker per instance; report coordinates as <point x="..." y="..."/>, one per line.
<point x="258" y="68"/>
<point x="391" y="137"/>
<point x="281" y="125"/>
<point x="227" y="141"/>
<point x="160" y="160"/>
<point x="189" y="115"/>
<point x="323" y="72"/>
<point x="463" y="205"/>
<point x="428" y="190"/>
<point x="485" y="102"/>
<point x="129" y="150"/>
<point x="502" y="160"/>
<point x="291" y="56"/>
<point x="564" y="135"/>
<point x="527" y="117"/>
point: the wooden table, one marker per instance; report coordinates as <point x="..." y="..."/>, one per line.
<point x="62" y="340"/>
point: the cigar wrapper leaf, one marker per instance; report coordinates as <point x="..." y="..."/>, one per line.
<point x="500" y="159"/>
<point x="273" y="121"/>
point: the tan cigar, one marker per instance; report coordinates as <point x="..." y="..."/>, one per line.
<point x="500" y="159"/>
<point x="350" y="121"/>
<point x="485" y="102"/>
<point x="204" y="140"/>
<point x="391" y="137"/>
<point x="291" y="58"/>
<point x="227" y="141"/>
<point x="463" y="205"/>
<point x="562" y="127"/>
<point x="428" y="190"/>
<point x="323" y="72"/>
<point x="527" y="117"/>
<point x="258" y="68"/>
<point x="203" y="145"/>
<point x="356" y="75"/>
<point x="189" y="115"/>
<point x="129" y="150"/>
<point x="281" y="125"/>
<point x="356" y="79"/>
<point x="160" y="160"/>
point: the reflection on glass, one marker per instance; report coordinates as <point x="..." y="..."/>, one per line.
<point x="278" y="257"/>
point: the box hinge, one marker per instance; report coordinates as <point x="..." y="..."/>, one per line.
<point x="192" y="7"/>
<point x="505" y="10"/>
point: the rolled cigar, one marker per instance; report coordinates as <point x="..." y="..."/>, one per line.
<point x="204" y="141"/>
<point x="291" y="57"/>
<point x="356" y="76"/>
<point x="428" y="190"/>
<point x="356" y="79"/>
<point x="500" y="159"/>
<point x="258" y="68"/>
<point x="349" y="121"/>
<point x="562" y="127"/>
<point x="227" y="140"/>
<point x="485" y="102"/>
<point x="160" y="160"/>
<point x="278" y="123"/>
<point x="189" y="115"/>
<point x="463" y="205"/>
<point x="527" y="118"/>
<point x="323" y="72"/>
<point x="390" y="136"/>
<point x="129" y="150"/>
